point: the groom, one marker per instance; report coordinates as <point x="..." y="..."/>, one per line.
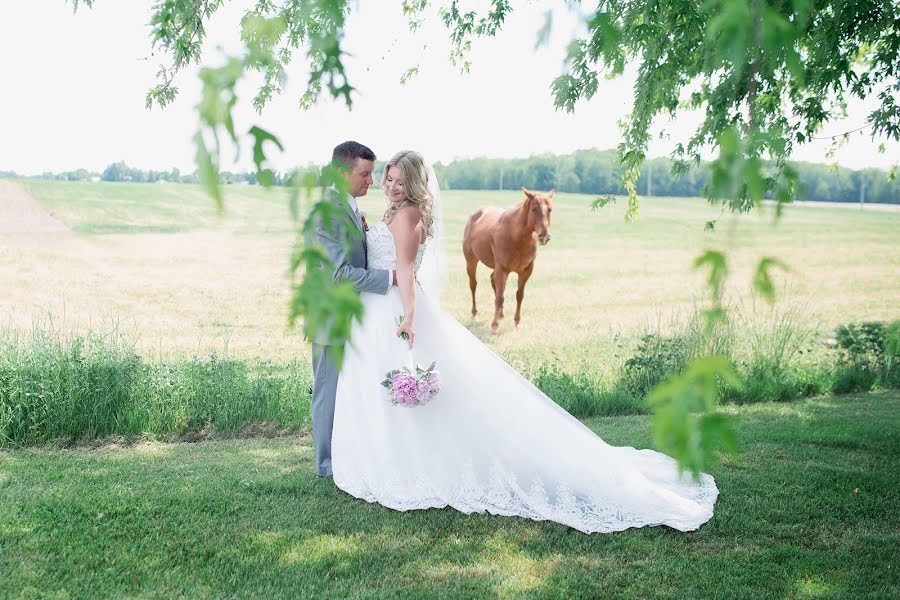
<point x="356" y="163"/>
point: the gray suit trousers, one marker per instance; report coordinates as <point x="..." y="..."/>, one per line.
<point x="325" y="378"/>
<point x="350" y="265"/>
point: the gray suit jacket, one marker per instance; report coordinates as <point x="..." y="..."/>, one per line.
<point x="349" y="265"/>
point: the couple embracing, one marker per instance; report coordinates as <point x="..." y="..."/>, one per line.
<point x="490" y="441"/>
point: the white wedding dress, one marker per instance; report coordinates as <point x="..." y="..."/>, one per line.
<point x="490" y="441"/>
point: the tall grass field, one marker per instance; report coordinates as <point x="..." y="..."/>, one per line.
<point x="143" y="290"/>
<point x="193" y="281"/>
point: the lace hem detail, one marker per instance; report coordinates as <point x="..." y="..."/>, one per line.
<point x="502" y="495"/>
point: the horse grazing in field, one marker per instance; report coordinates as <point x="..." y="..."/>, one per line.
<point x="506" y="241"/>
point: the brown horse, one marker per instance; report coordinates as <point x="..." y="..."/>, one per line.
<point x="506" y="241"/>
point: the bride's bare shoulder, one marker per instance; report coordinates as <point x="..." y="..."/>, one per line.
<point x="408" y="213"/>
<point x="407" y="222"/>
<point x="407" y="217"/>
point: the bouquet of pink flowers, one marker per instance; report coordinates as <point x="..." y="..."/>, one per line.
<point x="412" y="388"/>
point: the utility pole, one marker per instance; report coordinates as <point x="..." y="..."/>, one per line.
<point x="649" y="178"/>
<point x="862" y="191"/>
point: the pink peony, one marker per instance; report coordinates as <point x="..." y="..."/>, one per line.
<point x="410" y="389"/>
<point x="404" y="390"/>
<point x="429" y="385"/>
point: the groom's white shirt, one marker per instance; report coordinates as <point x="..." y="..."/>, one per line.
<point x="355" y="206"/>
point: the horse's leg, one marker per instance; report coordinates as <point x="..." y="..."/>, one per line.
<point x="499" y="279"/>
<point x="494" y="287"/>
<point x="520" y="293"/>
<point x="471" y="266"/>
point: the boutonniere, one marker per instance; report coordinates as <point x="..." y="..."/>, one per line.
<point x="362" y="217"/>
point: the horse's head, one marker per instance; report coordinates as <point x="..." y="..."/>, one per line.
<point x="539" y="205"/>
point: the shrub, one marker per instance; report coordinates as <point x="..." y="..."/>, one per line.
<point x="655" y="358"/>
<point x="862" y="344"/>
<point x="867" y="356"/>
<point x="848" y="379"/>
<point x="892" y="353"/>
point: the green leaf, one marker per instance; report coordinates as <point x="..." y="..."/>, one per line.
<point x="753" y="179"/>
<point x="728" y="34"/>
<point x="718" y="271"/>
<point x="77" y="3"/>
<point x="209" y="172"/>
<point x="762" y="281"/>
<point x="266" y="177"/>
<point x="602" y="201"/>
<point x="802" y="10"/>
<point x="261" y="34"/>
<point x="606" y="39"/>
<point x="712" y="316"/>
<point x="543" y="34"/>
<point x="716" y="427"/>
<point x="684" y="423"/>
<point x="409" y="74"/>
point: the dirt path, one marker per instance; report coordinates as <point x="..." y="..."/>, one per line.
<point x="22" y="214"/>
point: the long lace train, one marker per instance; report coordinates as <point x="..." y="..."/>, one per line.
<point x="490" y="441"/>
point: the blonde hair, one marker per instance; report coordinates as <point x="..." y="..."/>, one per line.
<point x="414" y="177"/>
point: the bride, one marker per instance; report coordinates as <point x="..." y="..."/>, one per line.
<point x="490" y="441"/>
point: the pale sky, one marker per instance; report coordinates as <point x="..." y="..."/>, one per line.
<point x="73" y="89"/>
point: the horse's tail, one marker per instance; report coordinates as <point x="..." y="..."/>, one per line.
<point x="473" y="218"/>
<point x="467" y="232"/>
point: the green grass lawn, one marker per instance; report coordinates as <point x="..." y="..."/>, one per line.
<point x="808" y="511"/>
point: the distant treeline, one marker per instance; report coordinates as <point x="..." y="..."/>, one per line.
<point x="598" y="172"/>
<point x="121" y="172"/>
<point x="592" y="171"/>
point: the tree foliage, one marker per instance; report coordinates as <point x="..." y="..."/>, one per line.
<point x="767" y="75"/>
